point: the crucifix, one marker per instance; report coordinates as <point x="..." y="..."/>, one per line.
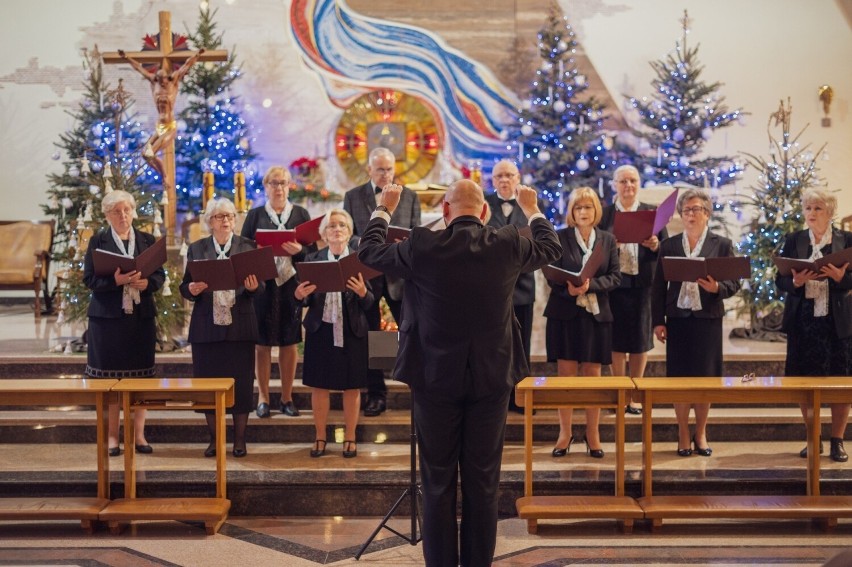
<point x="165" y="83"/>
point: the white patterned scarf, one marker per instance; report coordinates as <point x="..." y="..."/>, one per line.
<point x="332" y="311"/>
<point x="223" y="299"/>
<point x="628" y="254"/>
<point x="284" y="264"/>
<point x="818" y="289"/>
<point x="589" y="301"/>
<point x="690" y="297"/>
<point x="129" y="295"/>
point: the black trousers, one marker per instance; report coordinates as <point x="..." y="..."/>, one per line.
<point x="376" y="387"/>
<point x="460" y="432"/>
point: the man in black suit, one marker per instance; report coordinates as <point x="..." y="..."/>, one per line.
<point x="460" y="352"/>
<point x="506" y="178"/>
<point x="360" y="202"/>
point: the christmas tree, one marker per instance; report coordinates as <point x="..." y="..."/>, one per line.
<point x="677" y="120"/>
<point x="559" y="137"/>
<point x="776" y="200"/>
<point x="103" y="151"/>
<point x="211" y="134"/>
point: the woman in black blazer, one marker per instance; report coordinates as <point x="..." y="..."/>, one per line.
<point x="223" y="328"/>
<point x="632" y="336"/>
<point x="122" y="330"/>
<point x="336" y="336"/>
<point x="579" y="319"/>
<point x="280" y="323"/>
<point x="687" y="317"/>
<point x="818" y="307"/>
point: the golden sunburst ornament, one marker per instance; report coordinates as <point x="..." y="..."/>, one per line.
<point x="389" y="119"/>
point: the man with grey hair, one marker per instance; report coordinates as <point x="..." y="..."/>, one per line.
<point x="360" y="202"/>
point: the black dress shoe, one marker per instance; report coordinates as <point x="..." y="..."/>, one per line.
<point x="210" y="451"/>
<point x="144" y="449"/>
<point x="375" y="407"/>
<point x="287" y="408"/>
<point x="114" y="451"/>
<point x="704" y="452"/>
<point x="262" y="410"/>
<point x="593" y="453"/>
<point x="684" y="452"/>
<point x="804" y="452"/>
<point x="632" y="410"/>
<point x="837" y="452"/>
<point x="239" y="453"/>
<point x="559" y="452"/>
<point x="319" y="448"/>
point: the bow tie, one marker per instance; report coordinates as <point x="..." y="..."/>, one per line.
<point x="378" y="190"/>
<point x="512" y="202"/>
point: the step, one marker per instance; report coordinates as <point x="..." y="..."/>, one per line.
<point x="76" y="425"/>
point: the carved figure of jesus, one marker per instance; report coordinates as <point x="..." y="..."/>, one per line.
<point x="164" y="87"/>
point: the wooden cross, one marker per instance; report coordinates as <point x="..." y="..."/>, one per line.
<point x="163" y="137"/>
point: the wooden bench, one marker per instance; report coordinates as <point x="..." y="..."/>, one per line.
<point x="60" y="392"/>
<point x="575" y="392"/>
<point x="25" y="257"/>
<point x="172" y="394"/>
<point x="811" y="391"/>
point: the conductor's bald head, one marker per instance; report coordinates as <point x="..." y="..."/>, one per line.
<point x="464" y="198"/>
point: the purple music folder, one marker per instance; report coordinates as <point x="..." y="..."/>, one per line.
<point x="638" y="226"/>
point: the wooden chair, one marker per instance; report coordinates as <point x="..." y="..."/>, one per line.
<point x="25" y="257"/>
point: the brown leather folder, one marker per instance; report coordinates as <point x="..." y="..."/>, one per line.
<point x="231" y="273"/>
<point x="147" y="262"/>
<point x="678" y="269"/>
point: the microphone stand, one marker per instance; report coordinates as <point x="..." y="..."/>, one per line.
<point x="382" y="340"/>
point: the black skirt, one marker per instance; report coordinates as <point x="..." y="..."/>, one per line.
<point x="693" y="346"/>
<point x="814" y="349"/>
<point x="631" y="327"/>
<point x="227" y="359"/>
<point x="582" y="339"/>
<point x="121" y="348"/>
<point x="279" y="315"/>
<point x="334" y="368"/>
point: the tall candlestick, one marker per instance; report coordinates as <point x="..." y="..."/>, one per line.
<point x="209" y="189"/>
<point x="240" y="191"/>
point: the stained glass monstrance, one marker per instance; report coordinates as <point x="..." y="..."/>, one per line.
<point x="393" y="120"/>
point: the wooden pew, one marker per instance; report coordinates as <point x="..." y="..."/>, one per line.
<point x="575" y="392"/>
<point x="811" y="391"/>
<point x="59" y="392"/>
<point x="172" y="394"/>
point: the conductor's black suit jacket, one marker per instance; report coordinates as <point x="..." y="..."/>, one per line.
<point x="457" y="305"/>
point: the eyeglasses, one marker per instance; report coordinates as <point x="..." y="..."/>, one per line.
<point x="229" y="216"/>
<point x="278" y="183"/>
<point x="692" y="210"/>
<point x="337" y="225"/>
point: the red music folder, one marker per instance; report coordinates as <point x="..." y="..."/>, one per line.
<point x="678" y="269"/>
<point x="638" y="226"/>
<point x="332" y="275"/>
<point x="274" y="238"/>
<point x="560" y="276"/>
<point x="231" y="273"/>
<point x="308" y="232"/>
<point x="785" y="265"/>
<point x="147" y="261"/>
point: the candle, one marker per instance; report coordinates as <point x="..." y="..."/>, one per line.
<point x="582" y="123"/>
<point x="600" y="187"/>
<point x="549" y="93"/>
<point x="240" y="191"/>
<point x="561" y="69"/>
<point x="520" y="152"/>
<point x="659" y="156"/>
<point x="209" y="189"/>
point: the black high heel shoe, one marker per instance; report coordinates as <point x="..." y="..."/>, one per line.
<point x="557" y="452"/>
<point x="348" y="451"/>
<point x="210" y="451"/>
<point x="239" y="453"/>
<point x="704" y="452"/>
<point x="114" y="451"/>
<point x="804" y="452"/>
<point x="593" y="453"/>
<point x="318" y="451"/>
